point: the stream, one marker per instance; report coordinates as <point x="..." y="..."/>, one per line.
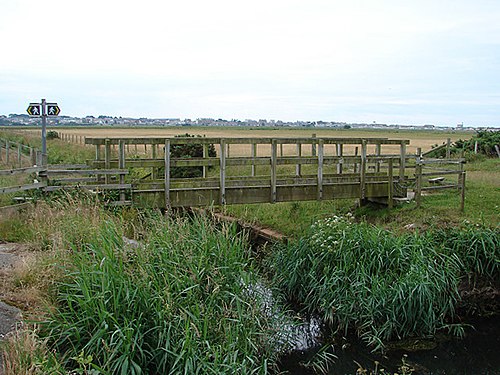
<point x="478" y="353"/>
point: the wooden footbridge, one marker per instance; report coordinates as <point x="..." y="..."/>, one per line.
<point x="144" y="171"/>
<point x="258" y="170"/>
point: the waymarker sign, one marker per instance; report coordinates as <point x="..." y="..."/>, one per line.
<point x="43" y="110"/>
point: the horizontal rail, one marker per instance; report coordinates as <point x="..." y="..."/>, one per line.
<point x="16" y="171"/>
<point x="18" y="188"/>
<point x="89" y="171"/>
<point x="439" y="187"/>
<point x="205" y="140"/>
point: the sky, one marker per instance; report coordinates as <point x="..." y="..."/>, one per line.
<point x="384" y="61"/>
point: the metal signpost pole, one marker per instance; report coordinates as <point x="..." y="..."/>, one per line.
<point x="43" y="110"/>
<point x="44" y="132"/>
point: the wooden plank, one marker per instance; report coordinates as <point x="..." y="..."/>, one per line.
<point x="18" y="188"/>
<point x="89" y="171"/>
<point x="90" y="187"/>
<point x="17" y="171"/>
<point x="245" y="140"/>
<point x="440" y="187"/>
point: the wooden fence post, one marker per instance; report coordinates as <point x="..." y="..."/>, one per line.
<point x="448" y="148"/>
<point x="205" y="156"/>
<point x="7" y="151"/>
<point x="1" y="143"/>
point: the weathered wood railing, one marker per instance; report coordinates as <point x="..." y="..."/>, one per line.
<point x="18" y="155"/>
<point x="256" y="170"/>
<point x="434" y="174"/>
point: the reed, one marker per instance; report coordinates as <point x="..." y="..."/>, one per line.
<point x="363" y="277"/>
<point x="177" y="304"/>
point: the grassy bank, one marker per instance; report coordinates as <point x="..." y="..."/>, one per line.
<point x="384" y="286"/>
<point x="177" y="302"/>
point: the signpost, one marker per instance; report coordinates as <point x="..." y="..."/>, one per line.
<point x="43" y="110"/>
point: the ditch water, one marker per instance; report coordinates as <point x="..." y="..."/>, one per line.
<point x="478" y="353"/>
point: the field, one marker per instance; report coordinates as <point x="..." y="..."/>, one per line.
<point x="423" y="139"/>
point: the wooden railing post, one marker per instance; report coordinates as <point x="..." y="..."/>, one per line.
<point x="205" y="156"/>
<point x="362" y="174"/>
<point x="418" y="178"/>
<point x="121" y="165"/>
<point x="298" y="166"/>
<point x="390" y="186"/>
<point x="378" y="149"/>
<point x="167" y="175"/>
<point x="274" y="157"/>
<point x="222" y="199"/>
<point x="340" y="153"/>
<point x="107" y="158"/>
<point x="19" y="159"/>
<point x="402" y="161"/>
<point x="356" y="150"/>
<point x="1" y="143"/>
<point x="7" y="151"/>
<point x="254" y="155"/>
<point x="320" y="168"/>
<point x="154" y="170"/>
<point x="313" y="145"/>
<point x="448" y="148"/>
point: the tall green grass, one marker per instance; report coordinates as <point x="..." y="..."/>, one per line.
<point x="362" y="277"/>
<point x="177" y="304"/>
